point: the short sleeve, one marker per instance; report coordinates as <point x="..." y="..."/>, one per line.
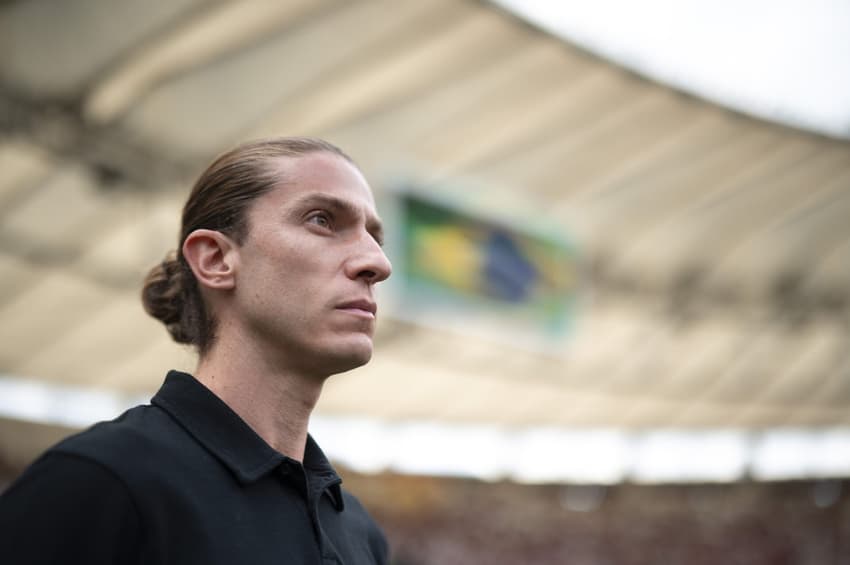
<point x="68" y="509"/>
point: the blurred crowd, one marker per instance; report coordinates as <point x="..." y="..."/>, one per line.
<point x="433" y="521"/>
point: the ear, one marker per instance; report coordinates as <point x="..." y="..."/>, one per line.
<point x="212" y="256"/>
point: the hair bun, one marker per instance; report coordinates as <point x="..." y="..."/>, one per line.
<point x="163" y="296"/>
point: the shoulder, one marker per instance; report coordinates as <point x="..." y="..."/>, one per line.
<point x="57" y="477"/>
<point x="141" y="427"/>
<point x="64" y="507"/>
<point x="99" y="459"/>
<point x="132" y="446"/>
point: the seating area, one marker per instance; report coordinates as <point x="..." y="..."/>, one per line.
<point x="452" y="521"/>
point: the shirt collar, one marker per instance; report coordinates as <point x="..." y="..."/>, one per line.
<point x="221" y="431"/>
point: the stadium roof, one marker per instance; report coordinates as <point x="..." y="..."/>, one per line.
<point x="716" y="245"/>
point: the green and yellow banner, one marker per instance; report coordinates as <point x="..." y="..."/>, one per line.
<point x="458" y="260"/>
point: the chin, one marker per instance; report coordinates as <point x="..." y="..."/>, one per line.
<point x="344" y="364"/>
<point x="346" y="357"/>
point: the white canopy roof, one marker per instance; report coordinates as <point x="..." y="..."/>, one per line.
<point x="716" y="246"/>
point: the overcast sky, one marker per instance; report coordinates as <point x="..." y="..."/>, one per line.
<point x="782" y="60"/>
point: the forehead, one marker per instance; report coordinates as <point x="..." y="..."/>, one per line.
<point x="323" y="173"/>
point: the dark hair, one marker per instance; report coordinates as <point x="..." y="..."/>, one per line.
<point x="218" y="201"/>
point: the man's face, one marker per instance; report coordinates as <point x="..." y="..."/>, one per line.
<point x="307" y="268"/>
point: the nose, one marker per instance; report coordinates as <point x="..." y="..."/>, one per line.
<point x="370" y="263"/>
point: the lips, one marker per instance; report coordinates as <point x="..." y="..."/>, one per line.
<point x="362" y="306"/>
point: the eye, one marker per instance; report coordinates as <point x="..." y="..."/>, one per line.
<point x="321" y="219"/>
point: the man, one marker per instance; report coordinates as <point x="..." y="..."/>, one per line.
<point x="273" y="280"/>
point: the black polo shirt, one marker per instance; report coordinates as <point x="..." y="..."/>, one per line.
<point x="182" y="481"/>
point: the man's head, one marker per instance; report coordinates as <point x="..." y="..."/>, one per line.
<point x="279" y="247"/>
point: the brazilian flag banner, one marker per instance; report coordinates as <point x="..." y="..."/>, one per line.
<point x="456" y="266"/>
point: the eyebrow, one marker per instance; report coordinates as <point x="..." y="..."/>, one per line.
<point x="340" y="206"/>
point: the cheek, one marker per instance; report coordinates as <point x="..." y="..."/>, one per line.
<point x="295" y="272"/>
<point x="295" y="285"/>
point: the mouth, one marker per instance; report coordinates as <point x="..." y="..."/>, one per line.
<point x="364" y="308"/>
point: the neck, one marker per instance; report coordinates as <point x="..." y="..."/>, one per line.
<point x="276" y="403"/>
